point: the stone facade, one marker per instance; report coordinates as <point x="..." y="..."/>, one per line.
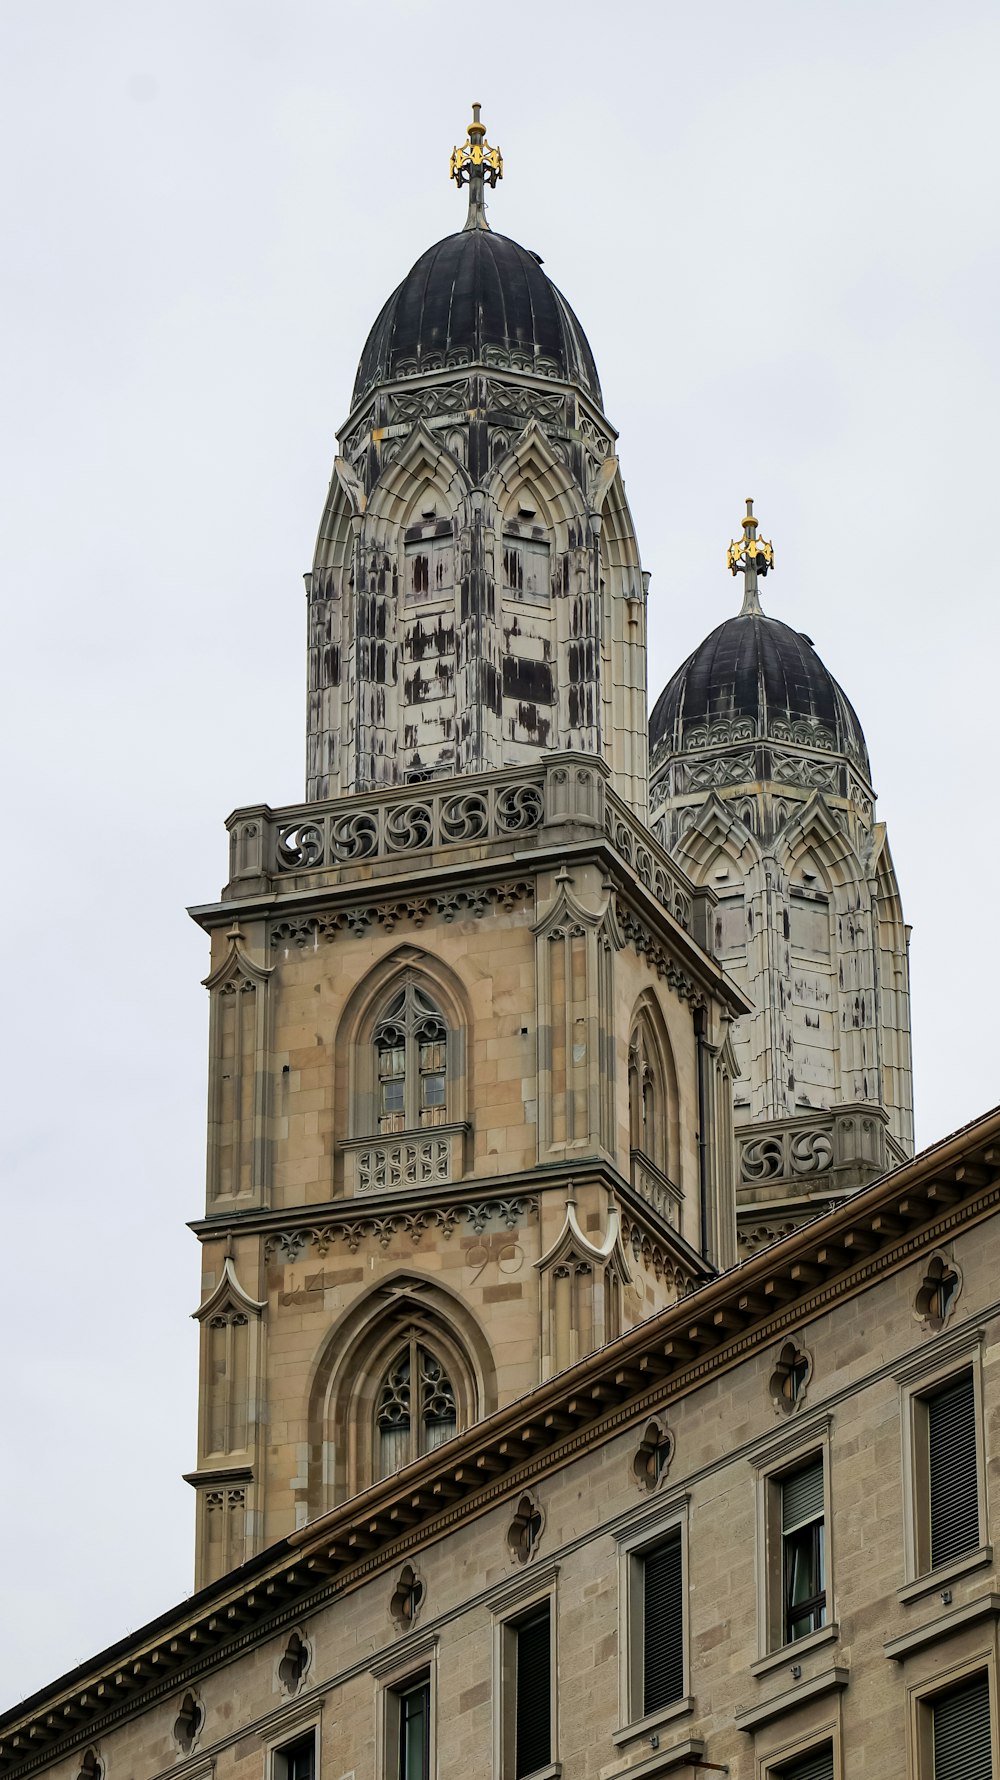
<point x="684" y="1429"/>
<point x="561" y="1193"/>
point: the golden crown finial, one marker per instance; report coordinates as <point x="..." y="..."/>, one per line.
<point x="476" y="164"/>
<point x="750" y="556"/>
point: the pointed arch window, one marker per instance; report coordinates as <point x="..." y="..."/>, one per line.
<point x="647" y="1110"/>
<point x="411" y="1046"/>
<point x="416" y="1408"/>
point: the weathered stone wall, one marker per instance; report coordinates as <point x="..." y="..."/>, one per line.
<point x="746" y="1704"/>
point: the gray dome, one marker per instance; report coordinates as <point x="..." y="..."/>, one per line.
<point x="754" y="677"/>
<point x="477" y="298"/>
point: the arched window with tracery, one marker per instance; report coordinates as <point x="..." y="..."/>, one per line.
<point x="411" y="1047"/>
<point x="416" y="1409"/>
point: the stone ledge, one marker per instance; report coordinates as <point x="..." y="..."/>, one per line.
<point x="827" y="1681"/>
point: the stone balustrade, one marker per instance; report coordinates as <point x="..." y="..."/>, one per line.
<point x="451" y="819"/>
<point x="831" y="1152"/>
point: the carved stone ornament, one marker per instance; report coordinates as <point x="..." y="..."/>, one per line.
<point x="288" y="1245"/>
<point x="790" y="1379"/>
<point x="305" y="931"/>
<point x="657" y="1259"/>
<point x="637" y="934"/>
<point x="407" y="1599"/>
<point x="939" y="1292"/>
<point x="525" y="1529"/>
<point x="653" y="1455"/>
<point x="293" y="1665"/>
<point x="188" y="1723"/>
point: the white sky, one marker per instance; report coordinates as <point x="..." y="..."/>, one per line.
<point x="777" y="224"/>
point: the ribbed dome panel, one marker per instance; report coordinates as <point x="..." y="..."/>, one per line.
<point x="468" y="295"/>
<point x="756" y="668"/>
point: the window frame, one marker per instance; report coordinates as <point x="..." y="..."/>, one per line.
<point x="773" y="1463"/>
<point x="512" y="1607"/>
<point x="293" y="1726"/>
<point x="920" y="1716"/>
<point x="413" y="1073"/>
<point x="396" y="1675"/>
<point x="435" y="544"/>
<point x="529" y="548"/>
<point x="775" y="1764"/>
<point x="639" y="1541"/>
<point x="918" y="1383"/>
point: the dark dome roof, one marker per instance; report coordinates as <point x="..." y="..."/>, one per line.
<point x="470" y="296"/>
<point x="760" y="670"/>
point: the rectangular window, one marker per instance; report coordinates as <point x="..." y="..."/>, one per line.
<point x="415" y="1731"/>
<point x="296" y="1761"/>
<point x="526" y="568"/>
<point x="532" y="1651"/>
<point x="816" y="1764"/>
<point x="961" y="1740"/>
<point x="392" y="1089"/>
<point x="661" y="1579"/>
<point x="433" y="1080"/>
<point x="525" y="1676"/>
<point x="653" y="1675"/>
<point x="949" y="1416"/>
<point x="429" y="569"/>
<point x="803" y="1550"/>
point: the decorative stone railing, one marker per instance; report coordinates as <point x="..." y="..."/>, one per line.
<point x="462" y="818"/>
<point x="405" y="1163"/>
<point x="658" y="1191"/>
<point x="834" y="1150"/>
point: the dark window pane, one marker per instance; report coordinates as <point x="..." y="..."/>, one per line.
<point x="533" y="1708"/>
<point x="954" y="1490"/>
<point x="662" y="1626"/>
<point x="415" y="1732"/>
<point x="961" y="1721"/>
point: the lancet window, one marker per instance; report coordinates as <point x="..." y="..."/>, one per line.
<point x="411" y="1047"/>
<point x="647" y="1110"/>
<point x="416" y="1408"/>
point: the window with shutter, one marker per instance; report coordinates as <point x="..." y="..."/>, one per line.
<point x="803" y="1550"/>
<point x="960" y="1722"/>
<point x="662" y="1582"/>
<point x="952" y="1473"/>
<point x="533" y="1694"/>
<point x="817" y="1764"/>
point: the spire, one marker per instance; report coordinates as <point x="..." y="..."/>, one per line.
<point x="750" y="556"/>
<point x="476" y="164"/>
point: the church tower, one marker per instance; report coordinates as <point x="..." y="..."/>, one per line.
<point x="470" y="1080"/>
<point x="761" y="791"/>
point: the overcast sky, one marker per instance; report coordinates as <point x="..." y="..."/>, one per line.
<point x="777" y="225"/>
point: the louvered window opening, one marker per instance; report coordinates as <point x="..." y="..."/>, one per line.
<point x="662" y="1626"/>
<point x="803" y="1551"/>
<point x="415" y="1732"/>
<point x="952" y="1471"/>
<point x="961" y="1732"/>
<point x="817" y="1765"/>
<point x="533" y="1695"/>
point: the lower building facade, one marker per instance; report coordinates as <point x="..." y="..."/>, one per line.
<point x="753" y="1535"/>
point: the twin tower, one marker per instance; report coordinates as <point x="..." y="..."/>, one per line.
<point x="537" y="1012"/>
